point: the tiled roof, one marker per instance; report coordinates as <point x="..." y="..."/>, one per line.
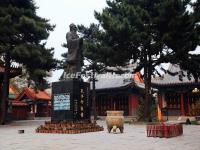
<point x="34" y="95"/>
<point x="38" y="94"/>
<point x="138" y="78"/>
<point x="107" y="81"/>
<point x="18" y="103"/>
<point x="168" y="79"/>
<point x="13" y="93"/>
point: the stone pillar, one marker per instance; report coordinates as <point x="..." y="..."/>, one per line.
<point x="67" y="103"/>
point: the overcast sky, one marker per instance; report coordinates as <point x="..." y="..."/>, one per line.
<point x="62" y="13"/>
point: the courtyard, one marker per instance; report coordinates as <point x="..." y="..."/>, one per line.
<point x="133" y="138"/>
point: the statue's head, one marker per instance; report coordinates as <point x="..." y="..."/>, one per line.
<point x="72" y="27"/>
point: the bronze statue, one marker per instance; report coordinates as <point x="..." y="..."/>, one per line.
<point x="74" y="55"/>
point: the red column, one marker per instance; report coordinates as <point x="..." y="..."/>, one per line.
<point x="47" y="110"/>
<point x="130" y="105"/>
<point x="188" y="104"/>
<point x="182" y="105"/>
<point x="133" y="103"/>
<point x="100" y="105"/>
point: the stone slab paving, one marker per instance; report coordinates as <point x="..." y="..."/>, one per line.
<point x="133" y="138"/>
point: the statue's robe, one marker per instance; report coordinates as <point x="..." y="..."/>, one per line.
<point x="74" y="56"/>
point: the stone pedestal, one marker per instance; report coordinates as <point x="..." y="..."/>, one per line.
<point x="70" y="109"/>
<point x="70" y="101"/>
<point x="70" y="98"/>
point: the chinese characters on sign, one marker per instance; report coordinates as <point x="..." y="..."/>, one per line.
<point x="62" y="101"/>
<point x="82" y="103"/>
<point x="75" y="107"/>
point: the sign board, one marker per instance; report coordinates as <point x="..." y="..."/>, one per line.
<point x="62" y="101"/>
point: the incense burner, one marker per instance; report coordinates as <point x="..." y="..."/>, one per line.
<point x="114" y="120"/>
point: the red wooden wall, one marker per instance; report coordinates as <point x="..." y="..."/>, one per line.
<point x="133" y="103"/>
<point x="19" y="112"/>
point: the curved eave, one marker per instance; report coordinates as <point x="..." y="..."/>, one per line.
<point x="111" y="88"/>
<point x="176" y="84"/>
<point x="124" y="89"/>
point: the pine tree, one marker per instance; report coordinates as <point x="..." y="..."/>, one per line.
<point x="150" y="32"/>
<point x="93" y="52"/>
<point x="22" y="36"/>
<point x="131" y="28"/>
<point x="183" y="37"/>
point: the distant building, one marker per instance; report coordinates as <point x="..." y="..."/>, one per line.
<point x="177" y="94"/>
<point x="24" y="102"/>
<point x="17" y="110"/>
<point x="39" y="102"/>
<point x="115" y="92"/>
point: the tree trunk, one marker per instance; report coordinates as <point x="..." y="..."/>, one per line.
<point x="149" y="90"/>
<point x="147" y="81"/>
<point x="146" y="88"/>
<point x="5" y="90"/>
<point x="94" y="95"/>
<point x="196" y="78"/>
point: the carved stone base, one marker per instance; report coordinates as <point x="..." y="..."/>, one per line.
<point x="69" y="127"/>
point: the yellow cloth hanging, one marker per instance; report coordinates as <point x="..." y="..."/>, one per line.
<point x="159" y="113"/>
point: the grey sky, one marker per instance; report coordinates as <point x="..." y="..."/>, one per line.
<point x="62" y="13"/>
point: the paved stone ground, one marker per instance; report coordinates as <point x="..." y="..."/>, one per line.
<point x="134" y="138"/>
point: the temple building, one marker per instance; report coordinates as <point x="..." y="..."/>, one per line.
<point x="115" y="92"/>
<point x="24" y="103"/>
<point x="177" y="95"/>
<point x="39" y="102"/>
<point x="17" y="110"/>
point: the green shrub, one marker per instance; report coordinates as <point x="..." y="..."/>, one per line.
<point x="197" y="108"/>
<point x="140" y="110"/>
